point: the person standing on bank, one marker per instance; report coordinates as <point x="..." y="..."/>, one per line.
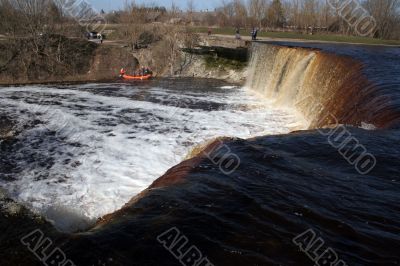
<point x="253" y="34"/>
<point x="238" y="34"/>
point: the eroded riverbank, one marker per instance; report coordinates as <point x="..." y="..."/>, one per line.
<point x="83" y="61"/>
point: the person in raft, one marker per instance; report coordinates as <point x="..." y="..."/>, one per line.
<point x="143" y="71"/>
<point x="121" y="72"/>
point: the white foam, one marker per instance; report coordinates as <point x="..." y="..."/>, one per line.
<point x="367" y="126"/>
<point x="115" y="161"/>
<point x="228" y="87"/>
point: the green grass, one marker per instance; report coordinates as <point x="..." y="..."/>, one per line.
<point x="218" y="62"/>
<point x="294" y="35"/>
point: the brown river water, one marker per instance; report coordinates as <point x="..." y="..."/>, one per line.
<point x="325" y="194"/>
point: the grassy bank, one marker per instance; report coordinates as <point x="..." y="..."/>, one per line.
<point x="212" y="62"/>
<point x="294" y="35"/>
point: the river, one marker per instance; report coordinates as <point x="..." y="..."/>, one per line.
<point x="86" y="150"/>
<point x="308" y="174"/>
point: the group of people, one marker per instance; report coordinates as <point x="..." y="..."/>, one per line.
<point x="143" y="71"/>
<point x="95" y="36"/>
<point x="254" y="33"/>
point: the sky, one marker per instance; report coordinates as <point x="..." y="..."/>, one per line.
<point x="108" y="5"/>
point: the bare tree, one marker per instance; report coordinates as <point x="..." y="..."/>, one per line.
<point x="30" y="19"/>
<point x="190" y="41"/>
<point x="171" y="38"/>
<point x="257" y="10"/>
<point x="174" y="12"/>
<point x="240" y="13"/>
<point x="190" y="10"/>
<point x="226" y="13"/>
<point x="276" y="14"/>
<point x="9" y="19"/>
<point x="34" y="16"/>
<point x="386" y="14"/>
<point x="133" y="20"/>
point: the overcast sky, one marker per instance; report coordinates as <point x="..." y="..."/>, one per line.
<point x="108" y="5"/>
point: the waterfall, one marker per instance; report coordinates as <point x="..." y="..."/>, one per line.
<point x="325" y="88"/>
<point x="278" y="73"/>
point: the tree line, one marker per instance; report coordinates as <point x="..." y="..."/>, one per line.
<point x="307" y="15"/>
<point x="32" y="18"/>
<point x="34" y="41"/>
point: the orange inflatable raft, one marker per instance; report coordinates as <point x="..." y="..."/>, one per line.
<point x="128" y="77"/>
<point x="145" y="77"/>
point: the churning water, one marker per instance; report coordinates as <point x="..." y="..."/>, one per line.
<point x="83" y="151"/>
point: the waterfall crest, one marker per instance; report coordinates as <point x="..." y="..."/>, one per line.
<point x="326" y="88"/>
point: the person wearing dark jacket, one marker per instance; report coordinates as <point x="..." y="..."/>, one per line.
<point x="254" y="34"/>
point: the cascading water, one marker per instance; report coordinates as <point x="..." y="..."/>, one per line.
<point x="86" y="150"/>
<point x="279" y="73"/>
<point x="284" y="186"/>
<point x="326" y="88"/>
